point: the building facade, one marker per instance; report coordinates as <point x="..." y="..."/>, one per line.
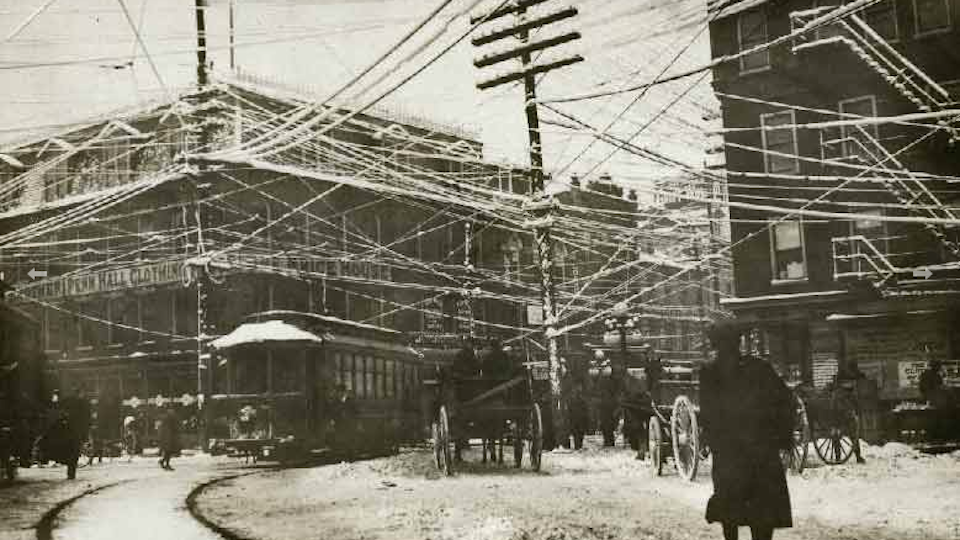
<point x="837" y="219"/>
<point x="376" y="218"/>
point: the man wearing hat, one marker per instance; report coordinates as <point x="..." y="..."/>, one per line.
<point x="747" y="414"/>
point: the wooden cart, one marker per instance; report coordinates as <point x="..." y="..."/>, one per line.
<point x="829" y="418"/>
<point x="499" y="410"/>
<point x="673" y="430"/>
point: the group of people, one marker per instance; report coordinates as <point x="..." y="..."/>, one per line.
<point x="71" y="425"/>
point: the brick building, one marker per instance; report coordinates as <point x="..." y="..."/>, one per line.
<point x="822" y="288"/>
<point x="385" y="219"/>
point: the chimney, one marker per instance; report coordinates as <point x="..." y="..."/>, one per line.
<point x="575" y="180"/>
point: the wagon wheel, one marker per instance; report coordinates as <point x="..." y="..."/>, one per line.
<point x="443" y="438"/>
<point x="836" y="445"/>
<point x="686" y="438"/>
<point x="655" y="443"/>
<point x="536" y="436"/>
<point x="795" y="458"/>
<point x="517" y="430"/>
<point x="437" y="446"/>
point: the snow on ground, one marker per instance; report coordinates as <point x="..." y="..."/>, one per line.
<point x="598" y="493"/>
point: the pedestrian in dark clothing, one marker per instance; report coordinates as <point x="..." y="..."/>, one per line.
<point x="747" y="417"/>
<point x="71" y="431"/>
<point x="847" y="381"/>
<point x="608" y="411"/>
<point x="931" y="381"/>
<point x="169" y="435"/>
<point x="578" y="415"/>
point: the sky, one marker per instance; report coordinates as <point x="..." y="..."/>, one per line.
<point x="71" y="63"/>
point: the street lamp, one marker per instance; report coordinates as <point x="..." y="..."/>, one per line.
<point x="620" y="321"/>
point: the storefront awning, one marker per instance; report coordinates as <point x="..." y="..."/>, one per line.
<point x="265" y="332"/>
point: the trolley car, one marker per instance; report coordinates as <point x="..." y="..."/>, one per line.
<point x="22" y="388"/>
<point x="500" y="410"/>
<point x="286" y="383"/>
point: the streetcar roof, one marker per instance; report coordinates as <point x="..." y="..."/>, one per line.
<point x="264" y="332"/>
<point x="327" y="319"/>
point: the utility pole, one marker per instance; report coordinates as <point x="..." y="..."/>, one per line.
<point x="233" y="8"/>
<point x="541" y="207"/>
<point x="201" y="190"/>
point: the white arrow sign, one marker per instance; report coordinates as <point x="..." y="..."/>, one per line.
<point x="924" y="273"/>
<point x="34" y="273"/>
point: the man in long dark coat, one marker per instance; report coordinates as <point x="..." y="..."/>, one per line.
<point x="169" y="435"/>
<point x="70" y="431"/>
<point x="747" y="415"/>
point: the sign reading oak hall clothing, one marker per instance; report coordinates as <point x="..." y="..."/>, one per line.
<point x="114" y="279"/>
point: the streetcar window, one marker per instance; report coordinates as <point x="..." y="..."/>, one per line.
<point x="250" y="372"/>
<point x="398" y="378"/>
<point x="287" y="371"/>
<point x="381" y="380"/>
<point x="338" y="368"/>
<point x="389" y="376"/>
<point x="348" y="372"/>
<point x="370" y="387"/>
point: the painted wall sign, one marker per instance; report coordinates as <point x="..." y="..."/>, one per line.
<point x="108" y="280"/>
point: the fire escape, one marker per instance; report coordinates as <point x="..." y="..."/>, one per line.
<point x="857" y="256"/>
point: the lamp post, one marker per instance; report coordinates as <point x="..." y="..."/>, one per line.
<point x="620" y="322"/>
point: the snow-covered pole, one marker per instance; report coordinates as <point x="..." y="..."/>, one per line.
<point x="542" y="206"/>
<point x="200" y="267"/>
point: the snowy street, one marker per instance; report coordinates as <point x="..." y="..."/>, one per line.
<point x="594" y="494"/>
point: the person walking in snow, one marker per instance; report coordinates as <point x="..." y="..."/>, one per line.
<point x="747" y="414"/>
<point x="169" y="435"/>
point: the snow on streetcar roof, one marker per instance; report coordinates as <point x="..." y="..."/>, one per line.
<point x="262" y="332"/>
<point x="324" y="318"/>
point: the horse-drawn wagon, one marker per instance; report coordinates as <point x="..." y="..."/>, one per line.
<point x="497" y="408"/>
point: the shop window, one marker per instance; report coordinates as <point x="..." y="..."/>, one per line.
<point x="859" y="141"/>
<point x="125" y="312"/>
<point x="186" y="312"/>
<point x="780" y="145"/>
<point x="787" y="250"/>
<point x="931" y="16"/>
<point x="92" y="328"/>
<point x="751" y="32"/>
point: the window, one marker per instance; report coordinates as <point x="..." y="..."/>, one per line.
<point x="752" y="31"/>
<point x="857" y="139"/>
<point x="787" y="250"/>
<point x="931" y="16"/>
<point x="381" y="382"/>
<point x="390" y="374"/>
<point x="780" y="141"/>
<point x="369" y="386"/>
<point x="882" y="17"/>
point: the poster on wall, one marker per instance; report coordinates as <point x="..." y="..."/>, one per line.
<point x="909" y="373"/>
<point x="897" y="353"/>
